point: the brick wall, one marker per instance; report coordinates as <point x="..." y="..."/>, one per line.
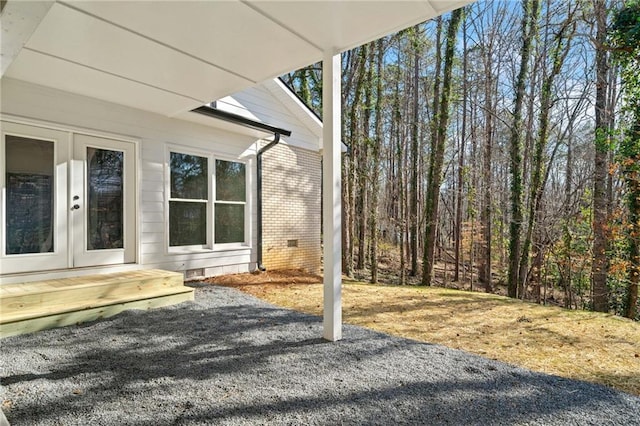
<point x="291" y="212"/>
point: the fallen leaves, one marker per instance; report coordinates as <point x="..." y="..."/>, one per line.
<point x="575" y="344"/>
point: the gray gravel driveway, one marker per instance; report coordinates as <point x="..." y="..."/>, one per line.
<point x="231" y="359"/>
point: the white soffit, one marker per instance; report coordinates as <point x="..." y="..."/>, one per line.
<point x="228" y="34"/>
<point x="337" y="26"/>
<point x="20" y="21"/>
<point x="69" y="77"/>
<point x="90" y="42"/>
<point x="172" y="56"/>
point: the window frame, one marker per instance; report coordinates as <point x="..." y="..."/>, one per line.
<point x="211" y="201"/>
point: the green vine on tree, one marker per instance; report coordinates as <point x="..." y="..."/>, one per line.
<point x="625" y="42"/>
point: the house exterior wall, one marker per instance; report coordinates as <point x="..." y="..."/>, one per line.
<point x="292" y="175"/>
<point x="31" y="104"/>
<point x="291" y="208"/>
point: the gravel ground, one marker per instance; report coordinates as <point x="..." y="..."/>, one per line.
<point x="231" y="359"/>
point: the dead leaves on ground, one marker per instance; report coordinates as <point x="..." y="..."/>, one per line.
<point x="575" y="344"/>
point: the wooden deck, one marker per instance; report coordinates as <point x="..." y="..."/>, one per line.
<point x="29" y="307"/>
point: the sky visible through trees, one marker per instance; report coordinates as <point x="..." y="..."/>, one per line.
<point x="508" y="163"/>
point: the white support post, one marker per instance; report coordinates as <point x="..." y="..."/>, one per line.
<point x="332" y="203"/>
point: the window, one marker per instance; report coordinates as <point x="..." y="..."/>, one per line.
<point x="105" y="199"/>
<point x="190" y="201"/>
<point x="230" y="202"/>
<point x="29" y="189"/>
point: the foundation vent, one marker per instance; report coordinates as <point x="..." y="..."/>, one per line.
<point x="292" y="243"/>
<point x="191" y="274"/>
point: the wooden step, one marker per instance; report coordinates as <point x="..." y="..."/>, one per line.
<point x="82" y="290"/>
<point x="36" y="306"/>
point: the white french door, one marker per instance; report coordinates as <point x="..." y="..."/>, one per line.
<point x="68" y="200"/>
<point x="103" y="201"/>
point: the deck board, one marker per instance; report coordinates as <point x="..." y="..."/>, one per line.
<point x="29" y="307"/>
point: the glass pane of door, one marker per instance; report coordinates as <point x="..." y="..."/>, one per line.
<point x="105" y="199"/>
<point x="29" y="184"/>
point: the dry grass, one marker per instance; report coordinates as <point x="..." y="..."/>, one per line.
<point x="574" y="344"/>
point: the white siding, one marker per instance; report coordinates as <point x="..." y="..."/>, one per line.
<point x="259" y="104"/>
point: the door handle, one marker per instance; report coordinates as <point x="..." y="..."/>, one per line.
<point x="75" y="207"/>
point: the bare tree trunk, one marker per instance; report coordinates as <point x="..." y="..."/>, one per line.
<point x="415" y="151"/>
<point x="459" y="202"/>
<point x="375" y="160"/>
<point x="485" y="215"/>
<point x="346" y="217"/>
<point x="566" y="268"/>
<point x="356" y="143"/>
<point x="401" y="224"/>
<point x="363" y="160"/>
<point x="600" y="264"/>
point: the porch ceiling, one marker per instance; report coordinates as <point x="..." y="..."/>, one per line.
<point x="172" y="56"/>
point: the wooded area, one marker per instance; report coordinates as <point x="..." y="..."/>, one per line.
<point x="497" y="147"/>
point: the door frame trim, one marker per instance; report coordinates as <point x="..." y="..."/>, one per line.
<point x="17" y="119"/>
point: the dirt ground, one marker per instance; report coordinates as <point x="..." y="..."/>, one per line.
<point x="581" y="345"/>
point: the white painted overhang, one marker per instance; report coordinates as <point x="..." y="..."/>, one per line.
<point x="170" y="57"/>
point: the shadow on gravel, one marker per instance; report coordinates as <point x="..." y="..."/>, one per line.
<point x="426" y="402"/>
<point x="230" y="359"/>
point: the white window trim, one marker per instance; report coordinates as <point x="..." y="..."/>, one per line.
<point x="210" y="245"/>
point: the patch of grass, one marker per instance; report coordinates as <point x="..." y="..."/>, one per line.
<point x="580" y="345"/>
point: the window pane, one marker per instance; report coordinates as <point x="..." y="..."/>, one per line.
<point x="230" y="181"/>
<point x="188" y="176"/>
<point x="229" y="219"/>
<point x="29" y="186"/>
<point x="187" y="223"/>
<point x="105" y="202"/>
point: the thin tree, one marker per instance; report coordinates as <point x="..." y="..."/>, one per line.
<point x="600" y="263"/>
<point x="401" y="223"/>
<point x="487" y="51"/>
<point x="415" y="149"/>
<point x="461" y="151"/>
<point x="434" y="178"/>
<point x="529" y="29"/>
<point x="560" y="48"/>
<point x="363" y="159"/>
<point x="350" y="181"/>
<point x="375" y="160"/>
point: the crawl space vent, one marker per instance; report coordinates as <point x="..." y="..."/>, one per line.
<point x="194" y="273"/>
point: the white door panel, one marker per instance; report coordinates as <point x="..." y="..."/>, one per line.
<point x="103" y="201"/>
<point x="34" y="213"/>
